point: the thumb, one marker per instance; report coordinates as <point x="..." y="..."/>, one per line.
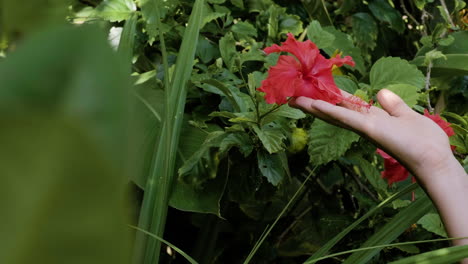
<point x="392" y="103"/>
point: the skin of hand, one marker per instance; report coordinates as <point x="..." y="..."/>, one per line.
<point x="415" y="141"/>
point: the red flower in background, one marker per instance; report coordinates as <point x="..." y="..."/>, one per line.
<point x="394" y="171"/>
<point x="442" y="123"/>
<point x="307" y="73"/>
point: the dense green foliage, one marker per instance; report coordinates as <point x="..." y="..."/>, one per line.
<point x="204" y="141"/>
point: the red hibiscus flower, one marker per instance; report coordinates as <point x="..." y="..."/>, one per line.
<point x="442" y="123"/>
<point x="394" y="171"/>
<point x="307" y="73"/>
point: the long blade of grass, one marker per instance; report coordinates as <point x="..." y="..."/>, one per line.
<point x="388" y="245"/>
<point x="157" y="190"/>
<point x="269" y="228"/>
<point x="326" y="12"/>
<point x="439" y="256"/>
<point x="332" y="242"/>
<point x="176" y="249"/>
<point x="399" y="223"/>
<point x="127" y="40"/>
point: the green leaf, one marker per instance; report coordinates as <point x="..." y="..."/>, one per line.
<point x="421" y="3"/>
<point x="391" y="230"/>
<point x="289" y="24"/>
<point x="446" y="41"/>
<point x="19" y="17"/>
<point x="115" y="10"/>
<point x="458" y="46"/>
<point x="283" y="111"/>
<point x="238" y="3"/>
<point x="432" y="55"/>
<point x="280" y="22"/>
<point x="244" y="29"/>
<point x="271" y="138"/>
<point x="432" y="223"/>
<point x="372" y="175"/>
<point x="233" y="95"/>
<point x="149" y="13"/>
<point x="146" y="111"/>
<point x="206" y="51"/>
<point x="439" y="256"/>
<point x="346" y="7"/>
<point x="270" y="166"/>
<point x="210" y="16"/>
<point x="240" y="140"/>
<point x="227" y="48"/>
<point x="254" y="81"/>
<point x="408" y="93"/>
<point x="320" y="37"/>
<point x="344" y="43"/>
<point x="258" y="6"/>
<point x="365" y="30"/>
<point x="63" y="149"/>
<point x="328" y="142"/>
<point x="331" y="178"/>
<point x="203" y="164"/>
<point x="444" y="14"/>
<point x="345" y="84"/>
<point x="254" y="53"/>
<point x="452" y="64"/>
<point x="274" y="12"/>
<point x="392" y="70"/>
<point x="384" y="12"/>
<point x="202" y="198"/>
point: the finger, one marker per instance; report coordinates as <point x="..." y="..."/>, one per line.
<point x="351" y="106"/>
<point x="392" y="103"/>
<point x="305" y="104"/>
<point x="336" y="114"/>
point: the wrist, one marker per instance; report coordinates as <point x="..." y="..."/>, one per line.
<point x="444" y="177"/>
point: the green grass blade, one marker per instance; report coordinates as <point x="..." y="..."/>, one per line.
<point x="157" y="190"/>
<point x="176" y="249"/>
<point x="388" y="245"/>
<point x="268" y="230"/>
<point x="399" y="223"/>
<point x="332" y="242"/>
<point x="127" y="40"/>
<point x="439" y="256"/>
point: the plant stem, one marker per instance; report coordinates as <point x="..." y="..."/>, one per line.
<point x="362" y="186"/>
<point x="442" y="2"/>
<point x="428" y="84"/>
<point x="402" y="5"/>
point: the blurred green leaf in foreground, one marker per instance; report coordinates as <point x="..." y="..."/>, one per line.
<point x="62" y="109"/>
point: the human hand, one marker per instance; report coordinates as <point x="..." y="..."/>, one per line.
<point x="413" y="139"/>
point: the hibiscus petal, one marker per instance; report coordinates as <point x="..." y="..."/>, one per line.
<point x="341" y="61"/>
<point x="282" y="80"/>
<point x="319" y="83"/>
<point x="305" y="51"/>
<point x="394" y="171"/>
<point x="384" y="154"/>
<point x="442" y="123"/>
